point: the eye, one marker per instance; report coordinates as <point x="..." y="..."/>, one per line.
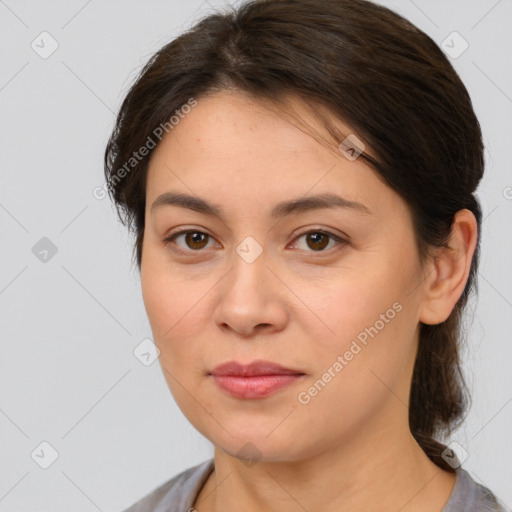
<point x="194" y="240"/>
<point x="318" y="240"/>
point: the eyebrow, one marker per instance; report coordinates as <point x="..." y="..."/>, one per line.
<point x="282" y="209"/>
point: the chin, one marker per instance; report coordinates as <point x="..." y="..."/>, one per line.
<point x="251" y="445"/>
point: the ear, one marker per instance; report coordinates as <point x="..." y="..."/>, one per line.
<point x="448" y="273"/>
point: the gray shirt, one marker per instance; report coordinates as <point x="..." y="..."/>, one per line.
<point x="179" y="493"/>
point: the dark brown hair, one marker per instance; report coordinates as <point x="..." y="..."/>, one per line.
<point x="383" y="77"/>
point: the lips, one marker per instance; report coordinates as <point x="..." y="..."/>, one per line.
<point x="258" y="379"/>
<point x="256" y="368"/>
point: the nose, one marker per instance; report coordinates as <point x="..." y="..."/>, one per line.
<point x="251" y="299"/>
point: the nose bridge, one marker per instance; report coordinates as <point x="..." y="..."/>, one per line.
<point x="249" y="271"/>
<point x="247" y="297"/>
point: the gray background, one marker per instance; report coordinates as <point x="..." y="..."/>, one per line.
<point x="70" y="323"/>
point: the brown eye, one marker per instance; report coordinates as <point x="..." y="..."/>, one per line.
<point x="317" y="241"/>
<point x="194" y="240"/>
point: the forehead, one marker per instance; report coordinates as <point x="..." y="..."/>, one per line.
<point x="286" y="125"/>
<point x="232" y="146"/>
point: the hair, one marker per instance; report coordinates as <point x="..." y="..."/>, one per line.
<point x="375" y="71"/>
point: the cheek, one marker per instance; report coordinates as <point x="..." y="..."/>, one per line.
<point x="171" y="316"/>
<point x="365" y="334"/>
<point x="159" y="303"/>
<point x="168" y="296"/>
<point x="358" y="372"/>
<point x="177" y="311"/>
<point x="341" y="309"/>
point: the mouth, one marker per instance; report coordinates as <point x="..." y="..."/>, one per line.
<point x="253" y="369"/>
<point x="255" y="380"/>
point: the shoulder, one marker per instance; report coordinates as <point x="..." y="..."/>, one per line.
<point x="470" y="496"/>
<point x="176" y="494"/>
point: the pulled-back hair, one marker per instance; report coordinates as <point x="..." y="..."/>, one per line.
<point x="371" y="69"/>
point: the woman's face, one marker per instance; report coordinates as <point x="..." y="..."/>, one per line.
<point x="257" y="285"/>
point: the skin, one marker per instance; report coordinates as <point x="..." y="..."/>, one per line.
<point x="350" y="447"/>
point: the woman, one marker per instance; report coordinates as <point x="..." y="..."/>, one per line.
<point x="300" y="178"/>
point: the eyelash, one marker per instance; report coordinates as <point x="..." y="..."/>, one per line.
<point x="340" y="241"/>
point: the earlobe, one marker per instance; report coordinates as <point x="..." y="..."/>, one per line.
<point x="450" y="270"/>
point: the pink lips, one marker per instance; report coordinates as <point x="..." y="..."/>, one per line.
<point x="255" y="380"/>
